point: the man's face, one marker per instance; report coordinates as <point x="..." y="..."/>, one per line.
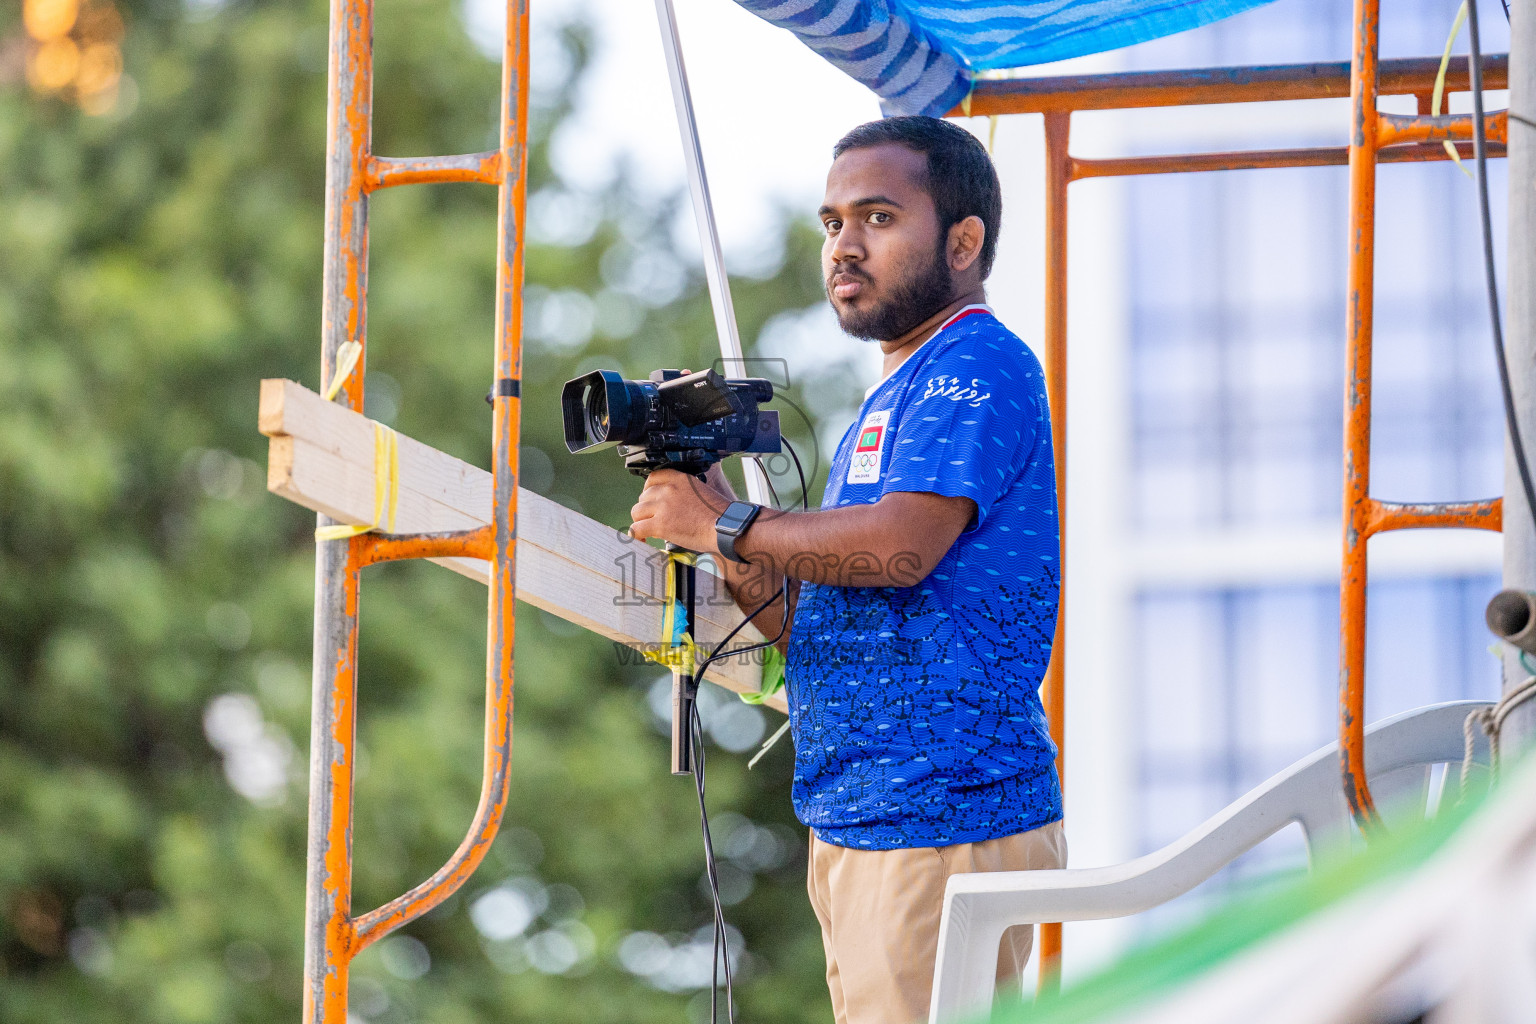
<point x="883" y="259"/>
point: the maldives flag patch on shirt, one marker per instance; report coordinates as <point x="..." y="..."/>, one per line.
<point x="864" y="467"/>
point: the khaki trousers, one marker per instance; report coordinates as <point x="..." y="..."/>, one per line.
<point x="879" y="912"/>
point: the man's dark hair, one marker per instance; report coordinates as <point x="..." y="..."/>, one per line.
<point x="961" y="179"/>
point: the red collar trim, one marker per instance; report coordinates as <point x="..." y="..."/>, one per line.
<point x="971" y="310"/>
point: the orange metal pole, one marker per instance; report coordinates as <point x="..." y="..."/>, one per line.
<point x="480" y="542"/>
<point x="328" y="907"/>
<point x="387" y="172"/>
<point x="1264" y="84"/>
<point x="1395" y="129"/>
<point x="1364" y="126"/>
<point x="1472" y="515"/>
<point x="1257" y="159"/>
<point x="333" y="722"/>
<point x="1058" y="174"/>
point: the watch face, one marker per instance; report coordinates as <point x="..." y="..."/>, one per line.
<point x="735" y="516"/>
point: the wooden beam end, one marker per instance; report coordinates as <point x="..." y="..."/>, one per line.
<point x="280" y="466"/>
<point x="269" y="418"/>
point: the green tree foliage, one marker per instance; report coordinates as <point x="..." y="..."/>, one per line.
<point x="155" y="602"/>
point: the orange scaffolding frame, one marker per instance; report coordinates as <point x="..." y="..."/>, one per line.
<point x="333" y="936"/>
<point x="1375" y="137"/>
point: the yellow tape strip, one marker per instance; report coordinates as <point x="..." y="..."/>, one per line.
<point x="678" y="651"/>
<point x="346" y="362"/>
<point x="681" y="658"/>
<point x="386" y="489"/>
<point x="1439" y="93"/>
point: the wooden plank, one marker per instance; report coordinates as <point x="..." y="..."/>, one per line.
<point x="321" y="456"/>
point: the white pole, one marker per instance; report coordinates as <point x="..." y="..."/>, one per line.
<point x="704" y="217"/>
<point x="1520" y="338"/>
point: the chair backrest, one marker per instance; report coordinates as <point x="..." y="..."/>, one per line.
<point x="1399" y="757"/>
<point x="1400" y="753"/>
<point x="978" y="907"/>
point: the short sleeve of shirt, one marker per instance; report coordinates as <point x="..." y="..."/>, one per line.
<point x="968" y="422"/>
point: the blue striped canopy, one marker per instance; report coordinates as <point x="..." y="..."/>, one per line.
<point x="918" y="55"/>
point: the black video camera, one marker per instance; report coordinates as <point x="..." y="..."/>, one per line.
<point x="679" y="421"/>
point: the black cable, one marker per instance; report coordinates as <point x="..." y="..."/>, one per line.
<point x="1480" y="146"/>
<point x="805" y="494"/>
<point x="772" y="491"/>
<point x="721" y="949"/>
<point x="719" y="649"/>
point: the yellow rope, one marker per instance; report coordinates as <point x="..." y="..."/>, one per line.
<point x="346" y="361"/>
<point x="386" y="489"/>
<point x="1439" y="93"/>
<point x="768" y="745"/>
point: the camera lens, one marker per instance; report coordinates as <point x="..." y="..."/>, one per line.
<point x="601" y="409"/>
<point x="596" y="403"/>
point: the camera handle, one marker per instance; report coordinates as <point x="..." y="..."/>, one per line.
<point x="684" y="685"/>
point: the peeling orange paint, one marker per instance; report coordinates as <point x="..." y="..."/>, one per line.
<point x="386" y="172"/>
<point x="374" y="548"/>
<point x="1396" y="129"/>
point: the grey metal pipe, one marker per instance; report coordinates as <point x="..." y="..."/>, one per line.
<point x="1511" y="615"/>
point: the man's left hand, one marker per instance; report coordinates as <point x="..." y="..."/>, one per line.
<point x="680" y="508"/>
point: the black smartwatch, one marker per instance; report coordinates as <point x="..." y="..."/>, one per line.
<point x="733" y="522"/>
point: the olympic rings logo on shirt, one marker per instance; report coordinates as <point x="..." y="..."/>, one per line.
<point x="866" y="460"/>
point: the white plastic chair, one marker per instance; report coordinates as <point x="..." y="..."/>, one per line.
<point x="978" y="908"/>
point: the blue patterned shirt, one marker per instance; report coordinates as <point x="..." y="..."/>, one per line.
<point x="915" y="709"/>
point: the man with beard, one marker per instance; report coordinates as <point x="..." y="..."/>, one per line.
<point x="929" y="577"/>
